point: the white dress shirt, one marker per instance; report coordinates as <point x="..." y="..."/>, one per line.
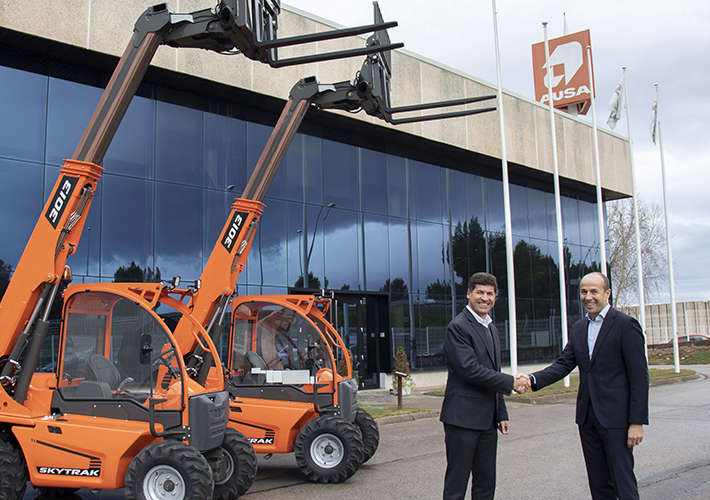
<point x="593" y="328"/>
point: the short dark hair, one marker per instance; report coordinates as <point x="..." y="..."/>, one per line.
<point x="484" y="279"/>
<point x="607" y="284"/>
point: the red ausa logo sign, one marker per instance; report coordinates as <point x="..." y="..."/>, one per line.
<point x="570" y="71"/>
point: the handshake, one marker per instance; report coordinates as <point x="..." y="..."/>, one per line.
<point x="521" y="383"/>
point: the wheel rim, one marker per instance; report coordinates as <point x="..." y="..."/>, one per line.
<point x="163" y="482"/>
<point x="327" y="451"/>
<point x="224" y="468"/>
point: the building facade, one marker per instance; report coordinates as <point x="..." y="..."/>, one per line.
<point x="390" y="221"/>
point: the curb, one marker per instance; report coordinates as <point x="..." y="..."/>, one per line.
<point x="407" y="418"/>
<point x="558" y="398"/>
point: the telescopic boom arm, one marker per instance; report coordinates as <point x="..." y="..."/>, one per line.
<point x="248" y="27"/>
<point x="369" y="91"/>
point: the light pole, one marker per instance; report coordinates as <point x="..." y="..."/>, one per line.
<point x="313" y="240"/>
<point x="300" y="248"/>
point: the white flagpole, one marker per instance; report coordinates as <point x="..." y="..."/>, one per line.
<point x="558" y="203"/>
<point x="676" y="355"/>
<point x="600" y="201"/>
<point x="513" y="319"/>
<point x="639" y="262"/>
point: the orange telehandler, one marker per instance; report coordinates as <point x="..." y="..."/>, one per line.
<point x="125" y="406"/>
<point x="286" y="394"/>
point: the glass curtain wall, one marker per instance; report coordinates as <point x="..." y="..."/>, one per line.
<point x="338" y="216"/>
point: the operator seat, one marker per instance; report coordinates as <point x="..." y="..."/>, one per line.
<point x="253" y="360"/>
<point x="101" y="369"/>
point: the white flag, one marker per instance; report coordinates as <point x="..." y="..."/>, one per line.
<point x="654" y="118"/>
<point x="616" y="103"/>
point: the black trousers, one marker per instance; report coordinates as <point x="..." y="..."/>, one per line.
<point x="469" y="453"/>
<point x="610" y="462"/>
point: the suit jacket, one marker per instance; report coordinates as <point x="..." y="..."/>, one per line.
<point x="615" y="380"/>
<point x="475" y="385"/>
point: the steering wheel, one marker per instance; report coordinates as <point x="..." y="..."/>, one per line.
<point x="165" y="358"/>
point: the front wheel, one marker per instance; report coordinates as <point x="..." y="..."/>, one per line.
<point x="168" y="469"/>
<point x="233" y="467"/>
<point x="370" y="433"/>
<point x="329" y="449"/>
<point x="13" y="471"/>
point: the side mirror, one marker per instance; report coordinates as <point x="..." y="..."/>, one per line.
<point x="146" y="348"/>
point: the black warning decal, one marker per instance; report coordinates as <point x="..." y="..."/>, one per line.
<point x="230" y="235"/>
<point x="58" y="201"/>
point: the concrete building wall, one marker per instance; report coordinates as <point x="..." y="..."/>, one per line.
<point x="106" y="26"/>
<point x="692" y="317"/>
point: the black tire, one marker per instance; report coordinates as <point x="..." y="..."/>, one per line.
<point x="236" y="470"/>
<point x="168" y="469"/>
<point x="13" y="472"/>
<point x="329" y="449"/>
<point x="370" y="433"/>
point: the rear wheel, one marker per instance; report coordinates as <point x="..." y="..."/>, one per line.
<point x="234" y="467"/>
<point x="329" y="449"/>
<point x="13" y="471"/>
<point x="168" y="469"/>
<point x="370" y="433"/>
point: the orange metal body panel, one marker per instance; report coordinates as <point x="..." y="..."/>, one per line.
<point x="271" y="426"/>
<point x="79" y="451"/>
<point x="38" y="264"/>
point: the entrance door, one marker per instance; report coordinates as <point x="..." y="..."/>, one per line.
<point x="362" y="319"/>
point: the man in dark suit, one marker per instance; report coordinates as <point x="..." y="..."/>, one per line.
<point x="473" y="404"/>
<point x="612" y="402"/>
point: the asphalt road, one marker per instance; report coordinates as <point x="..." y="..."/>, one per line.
<point x="540" y="459"/>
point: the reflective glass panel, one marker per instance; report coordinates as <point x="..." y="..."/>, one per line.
<point x="519" y="210"/>
<point x="23" y="101"/>
<point x="428" y="189"/>
<point x="430" y="251"/>
<point x="295" y="180"/>
<point x="340" y="177"/>
<point x="271" y="247"/>
<point x="376" y="246"/>
<point x="494" y="206"/>
<point x="475" y="198"/>
<point x="570" y="220"/>
<point x="537" y="215"/>
<point x="373" y="168"/>
<point x="455" y="198"/>
<point x="588" y="232"/>
<point x="127" y="223"/>
<point x="295" y="242"/>
<point x="216" y="207"/>
<point x="341" y="249"/>
<point x="224" y="153"/>
<point x="133" y="148"/>
<point x="22" y="199"/>
<point x="399" y="253"/>
<point x="68" y="113"/>
<point x="178" y="144"/>
<point x="178" y="230"/>
<point x="396" y="186"/>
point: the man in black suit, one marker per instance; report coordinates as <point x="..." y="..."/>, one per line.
<point x="473" y="404"/>
<point x="612" y="402"/>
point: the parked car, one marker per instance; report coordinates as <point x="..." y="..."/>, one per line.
<point x="693" y="337"/>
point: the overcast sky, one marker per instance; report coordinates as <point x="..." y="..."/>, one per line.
<point x="658" y="41"/>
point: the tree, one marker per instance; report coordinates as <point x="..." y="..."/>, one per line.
<point x="136" y="274"/>
<point x="5" y="273"/>
<point x="623" y="269"/>
<point x="313" y="281"/>
<point x="397" y="287"/>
